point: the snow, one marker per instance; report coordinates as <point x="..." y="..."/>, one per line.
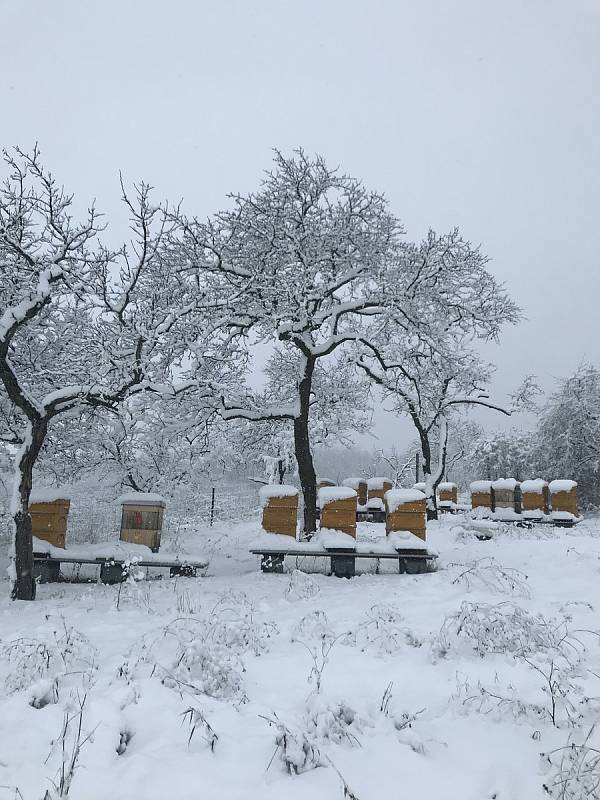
<point x="562" y="486"/>
<point x="447" y="487"/>
<point x="508" y="484"/>
<point x="406" y="540"/>
<point x="397" y="497"/>
<point x="116" y="549"/>
<point x="375" y="504"/>
<point x="329" y="494"/>
<point x="248" y="641"/>
<point x="480" y="486"/>
<point x="421" y="487"/>
<point x="141" y="499"/>
<point x="378" y="483"/>
<point x="328" y="538"/>
<point x="276" y="490"/>
<point x="49" y="495"/>
<point x="353" y="483"/>
<point x="535" y="486"/>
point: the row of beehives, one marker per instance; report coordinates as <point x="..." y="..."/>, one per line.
<point x="533" y="499"/>
<point x="141" y="518"/>
<point x="405" y="509"/>
<point x="371" y="492"/>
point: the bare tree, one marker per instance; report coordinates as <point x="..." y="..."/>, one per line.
<point x="81" y="325"/>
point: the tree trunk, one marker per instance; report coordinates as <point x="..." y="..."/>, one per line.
<point x="23" y="581"/>
<point x="431" y="498"/>
<point x="306" y="469"/>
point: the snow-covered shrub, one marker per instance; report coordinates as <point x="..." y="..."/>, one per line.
<point x="487" y="573"/>
<point x="326" y="722"/>
<point x="573" y="771"/>
<point x="295" y="750"/>
<point x="481" y="628"/>
<point x="203" y="668"/>
<point x="301" y="586"/>
<point x="47" y="662"/>
<point x="232" y="623"/>
<point x="316" y="634"/>
<point x="383" y="630"/>
<point x="558" y="701"/>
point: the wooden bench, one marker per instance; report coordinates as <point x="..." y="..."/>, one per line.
<point x="343" y="560"/>
<point x="47" y="567"/>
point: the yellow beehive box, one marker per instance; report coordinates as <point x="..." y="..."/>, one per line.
<point x="338" y="508"/>
<point x="406" y="510"/>
<point x="279" y="509"/>
<point x="360" y="487"/>
<point x="482" y="495"/>
<point x="142" y="518"/>
<point x="563" y="496"/>
<point x="49" y="511"/>
<point x="535" y="498"/>
<point x="376" y="489"/>
<point x="448" y="493"/>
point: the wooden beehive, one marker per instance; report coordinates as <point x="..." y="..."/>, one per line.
<point x="338" y="509"/>
<point x="406" y="511"/>
<point x="142" y="519"/>
<point x="279" y="509"/>
<point x="325" y="482"/>
<point x="448" y="493"/>
<point x="482" y="495"/>
<point x="563" y="497"/>
<point x="535" y="497"/>
<point x="49" y="520"/>
<point x="360" y="487"/>
<point x="507" y="494"/>
<point x="376" y="489"/>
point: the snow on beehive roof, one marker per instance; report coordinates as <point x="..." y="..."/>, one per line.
<point x="49" y="495"/>
<point x="377" y="483"/>
<point x="141" y="499"/>
<point x="421" y="486"/>
<point x="480" y="486"/>
<point x="447" y="486"/>
<point x="506" y="483"/>
<point x="353" y="483"/>
<point x="276" y="490"/>
<point x="397" y="497"/>
<point x="534" y="486"/>
<point x="329" y="494"/>
<point x="562" y="486"/>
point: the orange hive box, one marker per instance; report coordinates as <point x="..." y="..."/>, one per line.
<point x="279" y="509"/>
<point x="338" y="508"/>
<point x="563" y="495"/>
<point x="406" y="510"/>
<point x="360" y="487"/>
<point x="448" y="493"/>
<point x="482" y="494"/>
<point x="49" y="510"/>
<point x="377" y="487"/>
<point x="142" y="519"/>
<point x="535" y="498"/>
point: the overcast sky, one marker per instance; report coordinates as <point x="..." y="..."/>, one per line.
<point x="480" y="114"/>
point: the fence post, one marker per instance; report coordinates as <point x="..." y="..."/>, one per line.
<point x="212" y="506"/>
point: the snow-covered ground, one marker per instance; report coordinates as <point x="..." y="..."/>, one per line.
<point x="435" y="686"/>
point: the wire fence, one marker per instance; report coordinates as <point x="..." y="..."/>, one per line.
<point x="95" y="515"/>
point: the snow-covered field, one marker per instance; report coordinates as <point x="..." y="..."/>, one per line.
<point x="439" y="686"/>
